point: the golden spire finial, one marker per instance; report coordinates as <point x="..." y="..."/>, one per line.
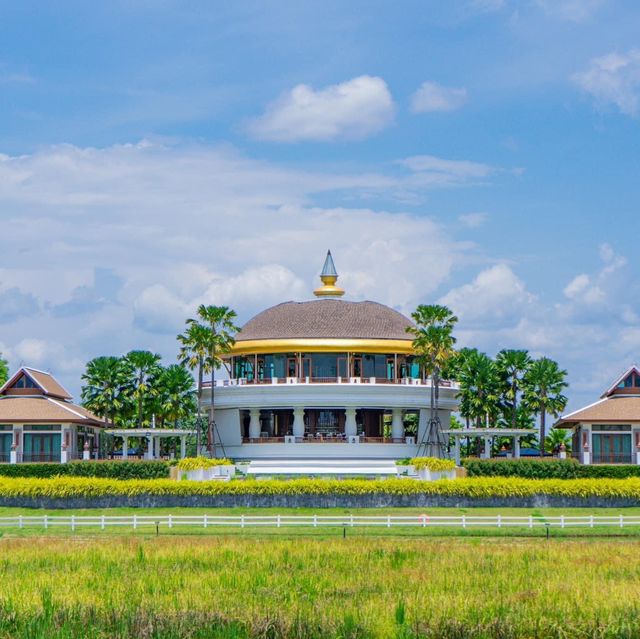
<point x="329" y="276"/>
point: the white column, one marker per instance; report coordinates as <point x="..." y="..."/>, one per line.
<point x="150" y="447"/>
<point x="298" y="422"/>
<point x="86" y="452"/>
<point x="125" y="447"/>
<point x="516" y="446"/>
<point x="350" y="426"/>
<point x="397" y="426"/>
<point x="156" y="448"/>
<point x="487" y="448"/>
<point x="254" y="423"/>
<point x="456" y="449"/>
<point x="183" y="447"/>
<point x="64" y="453"/>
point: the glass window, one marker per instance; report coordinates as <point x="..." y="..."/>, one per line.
<point x="25" y="382"/>
<point x="610" y="427"/>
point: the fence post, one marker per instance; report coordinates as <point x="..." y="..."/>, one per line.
<point x="352" y="521"/>
<point x="464" y="521"/>
<point x="241" y="521"/>
<point x="278" y="524"/>
<point x="205" y="520"/>
<point x="621" y="521"/>
<point x="73" y="523"/>
<point x="170" y="522"/>
<point x="102" y="522"/>
<point x="46" y="522"/>
<point x="315" y="520"/>
<point x="530" y="521"/>
<point x="388" y="521"/>
<point x="20" y="522"/>
<point x="591" y="521"/>
<point x="499" y="521"/>
<point x="561" y="521"/>
<point x="135" y="522"/>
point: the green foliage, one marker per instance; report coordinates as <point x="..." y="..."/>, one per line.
<point x="4" y="370"/>
<point x="103" y="469"/>
<point x="198" y="463"/>
<point x="433" y="463"/>
<point x="476" y="487"/>
<point x="546" y="469"/>
<point x="130" y="390"/>
<point x="526" y="468"/>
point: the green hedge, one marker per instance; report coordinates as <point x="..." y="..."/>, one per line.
<point x="546" y="469"/>
<point x="480" y="487"/>
<point x="104" y="469"/>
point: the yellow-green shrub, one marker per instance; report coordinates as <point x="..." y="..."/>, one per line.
<point x="481" y="487"/>
<point x="433" y="463"/>
<point x="198" y="463"/>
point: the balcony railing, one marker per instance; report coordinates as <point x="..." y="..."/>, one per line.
<point x="612" y="458"/>
<point x="272" y="381"/>
<point x="325" y="439"/>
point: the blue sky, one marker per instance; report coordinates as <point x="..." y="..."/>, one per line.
<point x="482" y="153"/>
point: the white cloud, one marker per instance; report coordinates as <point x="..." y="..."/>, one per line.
<point x="572" y="10"/>
<point x="435" y="97"/>
<point x="496" y="293"/>
<point x="120" y="244"/>
<point x="473" y="220"/>
<point x="613" y="79"/>
<point x="351" y="110"/>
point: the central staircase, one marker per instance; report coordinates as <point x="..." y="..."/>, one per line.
<point x="332" y="467"/>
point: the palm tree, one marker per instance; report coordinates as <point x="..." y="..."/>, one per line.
<point x="176" y="397"/>
<point x="556" y="438"/>
<point x="543" y="384"/>
<point x="479" y="386"/>
<point x="512" y="365"/>
<point x="193" y="354"/>
<point x="4" y="370"/>
<point x="144" y="367"/>
<point x="219" y="321"/>
<point x="104" y="388"/>
<point x="433" y="344"/>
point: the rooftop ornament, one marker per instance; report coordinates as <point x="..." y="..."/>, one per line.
<point x="329" y="277"/>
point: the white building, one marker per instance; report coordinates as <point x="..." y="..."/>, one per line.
<point x="324" y="379"/>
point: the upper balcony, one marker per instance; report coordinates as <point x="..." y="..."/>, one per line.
<point x="273" y="381"/>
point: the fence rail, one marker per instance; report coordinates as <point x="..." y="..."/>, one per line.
<point x="315" y="521"/>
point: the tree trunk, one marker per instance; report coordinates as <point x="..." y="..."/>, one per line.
<point x="210" y="433"/>
<point x="543" y="414"/>
<point x="514" y="391"/>
<point x="198" y="423"/>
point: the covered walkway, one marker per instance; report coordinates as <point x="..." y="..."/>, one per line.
<point x="487" y="434"/>
<point x="153" y="437"/>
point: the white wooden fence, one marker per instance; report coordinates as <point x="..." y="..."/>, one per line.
<point x="155" y="522"/>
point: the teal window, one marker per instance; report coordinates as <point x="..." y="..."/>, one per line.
<point x="41" y="447"/>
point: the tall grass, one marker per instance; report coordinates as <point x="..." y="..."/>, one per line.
<point x="353" y="588"/>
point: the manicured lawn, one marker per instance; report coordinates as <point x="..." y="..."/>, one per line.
<point x="359" y="587"/>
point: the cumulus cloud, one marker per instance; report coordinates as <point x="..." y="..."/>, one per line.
<point x="124" y="242"/>
<point x="496" y="293"/>
<point x="351" y="110"/>
<point x="613" y="79"/>
<point x="15" y="304"/>
<point x="435" y="97"/>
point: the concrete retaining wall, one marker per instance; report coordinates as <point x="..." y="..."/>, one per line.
<point x="317" y="501"/>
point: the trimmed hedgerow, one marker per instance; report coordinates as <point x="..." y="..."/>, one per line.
<point x="525" y="468"/>
<point x="546" y="469"/>
<point x="198" y="463"/>
<point x="105" y="469"/>
<point x="433" y="463"/>
<point x="481" y="487"/>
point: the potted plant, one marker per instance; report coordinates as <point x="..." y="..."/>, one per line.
<point x="432" y="468"/>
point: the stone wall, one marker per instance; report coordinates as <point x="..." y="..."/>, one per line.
<point x="317" y="501"/>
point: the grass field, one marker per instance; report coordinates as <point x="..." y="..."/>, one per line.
<point x="255" y="586"/>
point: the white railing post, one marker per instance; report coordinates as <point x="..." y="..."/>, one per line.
<point x="278" y="523"/>
<point x="561" y="521"/>
<point x="20" y="522"/>
<point x="73" y="523"/>
<point x="464" y="521"/>
<point x="621" y="521"/>
<point x="204" y="520"/>
<point x="46" y="522"/>
<point x="241" y="521"/>
<point x="135" y="522"/>
<point x="530" y="521"/>
<point x="102" y="523"/>
<point x="315" y="520"/>
<point x="591" y="521"/>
